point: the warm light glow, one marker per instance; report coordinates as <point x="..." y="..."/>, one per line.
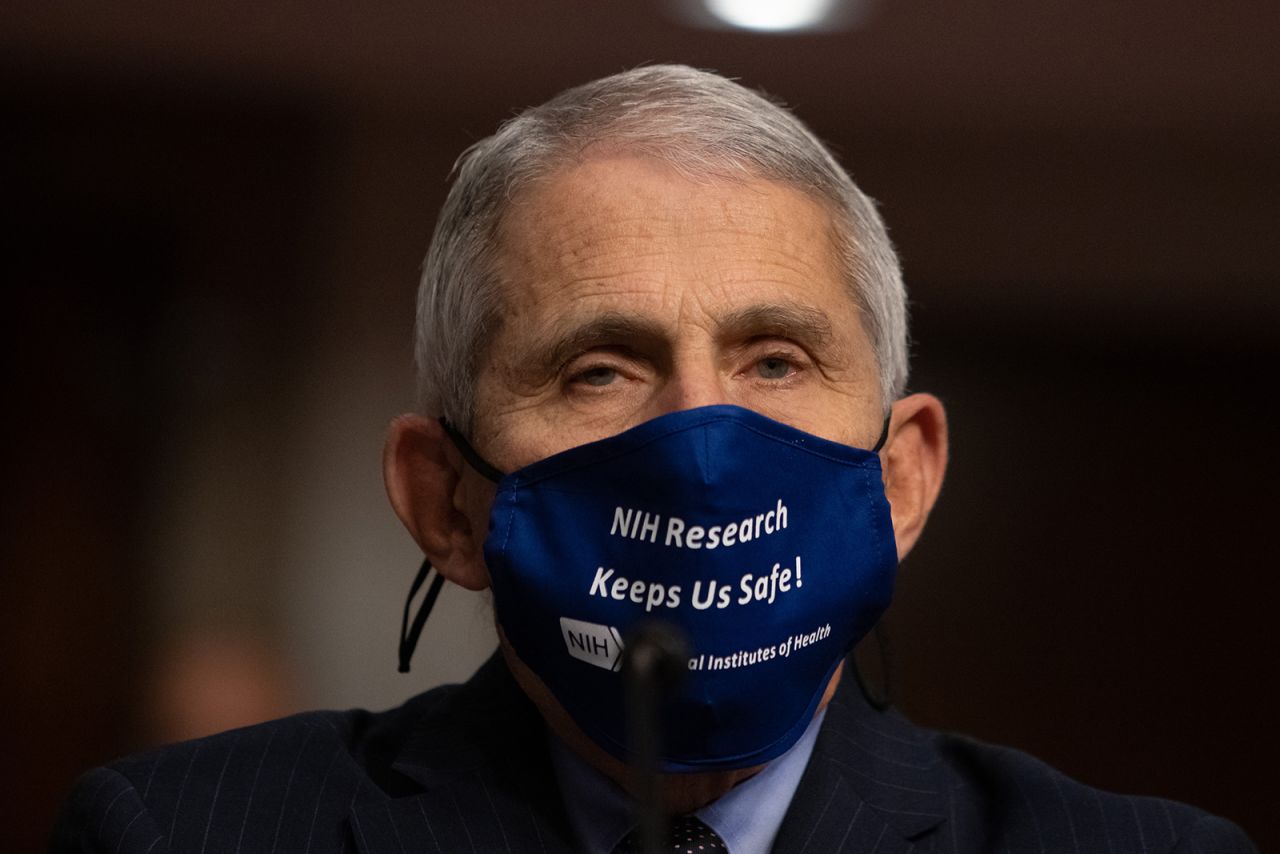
<point x="772" y="15"/>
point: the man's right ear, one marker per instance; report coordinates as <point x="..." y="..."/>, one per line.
<point x="426" y="481"/>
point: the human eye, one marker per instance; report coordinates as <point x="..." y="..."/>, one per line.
<point x="597" y="377"/>
<point x="774" y="362"/>
<point x="598" y="372"/>
<point x="774" y="368"/>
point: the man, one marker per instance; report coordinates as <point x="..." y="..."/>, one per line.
<point x="662" y="349"/>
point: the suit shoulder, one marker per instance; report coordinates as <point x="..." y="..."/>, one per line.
<point x="229" y="756"/>
<point x="104" y="813"/>
<point x="1213" y="835"/>
<point x="286" y="784"/>
<point x="1011" y="798"/>
<point x="297" y="743"/>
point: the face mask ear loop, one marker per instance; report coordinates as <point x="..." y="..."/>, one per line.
<point x="477" y="462"/>
<point x="881" y="698"/>
<point x="884" y="435"/>
<point x="409" y="634"/>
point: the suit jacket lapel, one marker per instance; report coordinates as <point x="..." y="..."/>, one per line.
<point x="481" y="759"/>
<point x="874" y="783"/>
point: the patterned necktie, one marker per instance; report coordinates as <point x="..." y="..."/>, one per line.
<point x="689" y="835"/>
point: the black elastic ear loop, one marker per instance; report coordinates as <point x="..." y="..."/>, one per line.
<point x="469" y="454"/>
<point x="880" y="698"/>
<point x="883" y="698"/>
<point x="884" y="435"/>
<point x="409" y="634"/>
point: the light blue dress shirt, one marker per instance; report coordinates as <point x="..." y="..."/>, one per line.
<point x="747" y="817"/>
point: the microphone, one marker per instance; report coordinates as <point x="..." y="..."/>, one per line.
<point x="654" y="663"/>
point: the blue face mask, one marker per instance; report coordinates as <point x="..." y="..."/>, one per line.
<point x="771" y="549"/>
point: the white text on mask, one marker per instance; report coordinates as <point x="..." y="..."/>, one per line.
<point x="636" y="524"/>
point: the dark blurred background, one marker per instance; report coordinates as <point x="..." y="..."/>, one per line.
<point x="213" y="216"/>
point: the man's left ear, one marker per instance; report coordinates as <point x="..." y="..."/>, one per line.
<point x="914" y="460"/>
<point x="427" y="483"/>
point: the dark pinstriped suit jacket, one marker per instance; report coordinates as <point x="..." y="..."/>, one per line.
<point x="465" y="769"/>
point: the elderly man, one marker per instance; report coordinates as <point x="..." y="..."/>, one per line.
<point x="662" y="348"/>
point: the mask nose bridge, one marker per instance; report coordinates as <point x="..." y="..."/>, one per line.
<point x="715" y="450"/>
<point x="702" y="453"/>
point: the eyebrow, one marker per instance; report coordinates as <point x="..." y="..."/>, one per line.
<point x="609" y="329"/>
<point x="804" y="324"/>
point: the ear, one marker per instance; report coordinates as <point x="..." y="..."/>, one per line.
<point x="914" y="460"/>
<point x="427" y="481"/>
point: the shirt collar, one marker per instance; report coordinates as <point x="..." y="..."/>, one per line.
<point x="747" y="817"/>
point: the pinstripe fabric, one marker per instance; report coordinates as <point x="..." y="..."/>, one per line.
<point x="465" y="769"/>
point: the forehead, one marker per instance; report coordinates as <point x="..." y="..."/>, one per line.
<point x="628" y="229"/>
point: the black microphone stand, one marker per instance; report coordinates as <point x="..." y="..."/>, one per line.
<point x="654" y="663"/>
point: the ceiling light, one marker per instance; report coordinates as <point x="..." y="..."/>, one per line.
<point x="778" y="16"/>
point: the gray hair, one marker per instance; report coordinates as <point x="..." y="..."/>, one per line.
<point x="698" y="122"/>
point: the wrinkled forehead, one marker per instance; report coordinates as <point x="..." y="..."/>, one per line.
<point x="619" y="216"/>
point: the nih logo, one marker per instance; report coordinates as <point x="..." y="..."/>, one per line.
<point x="592" y="643"/>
